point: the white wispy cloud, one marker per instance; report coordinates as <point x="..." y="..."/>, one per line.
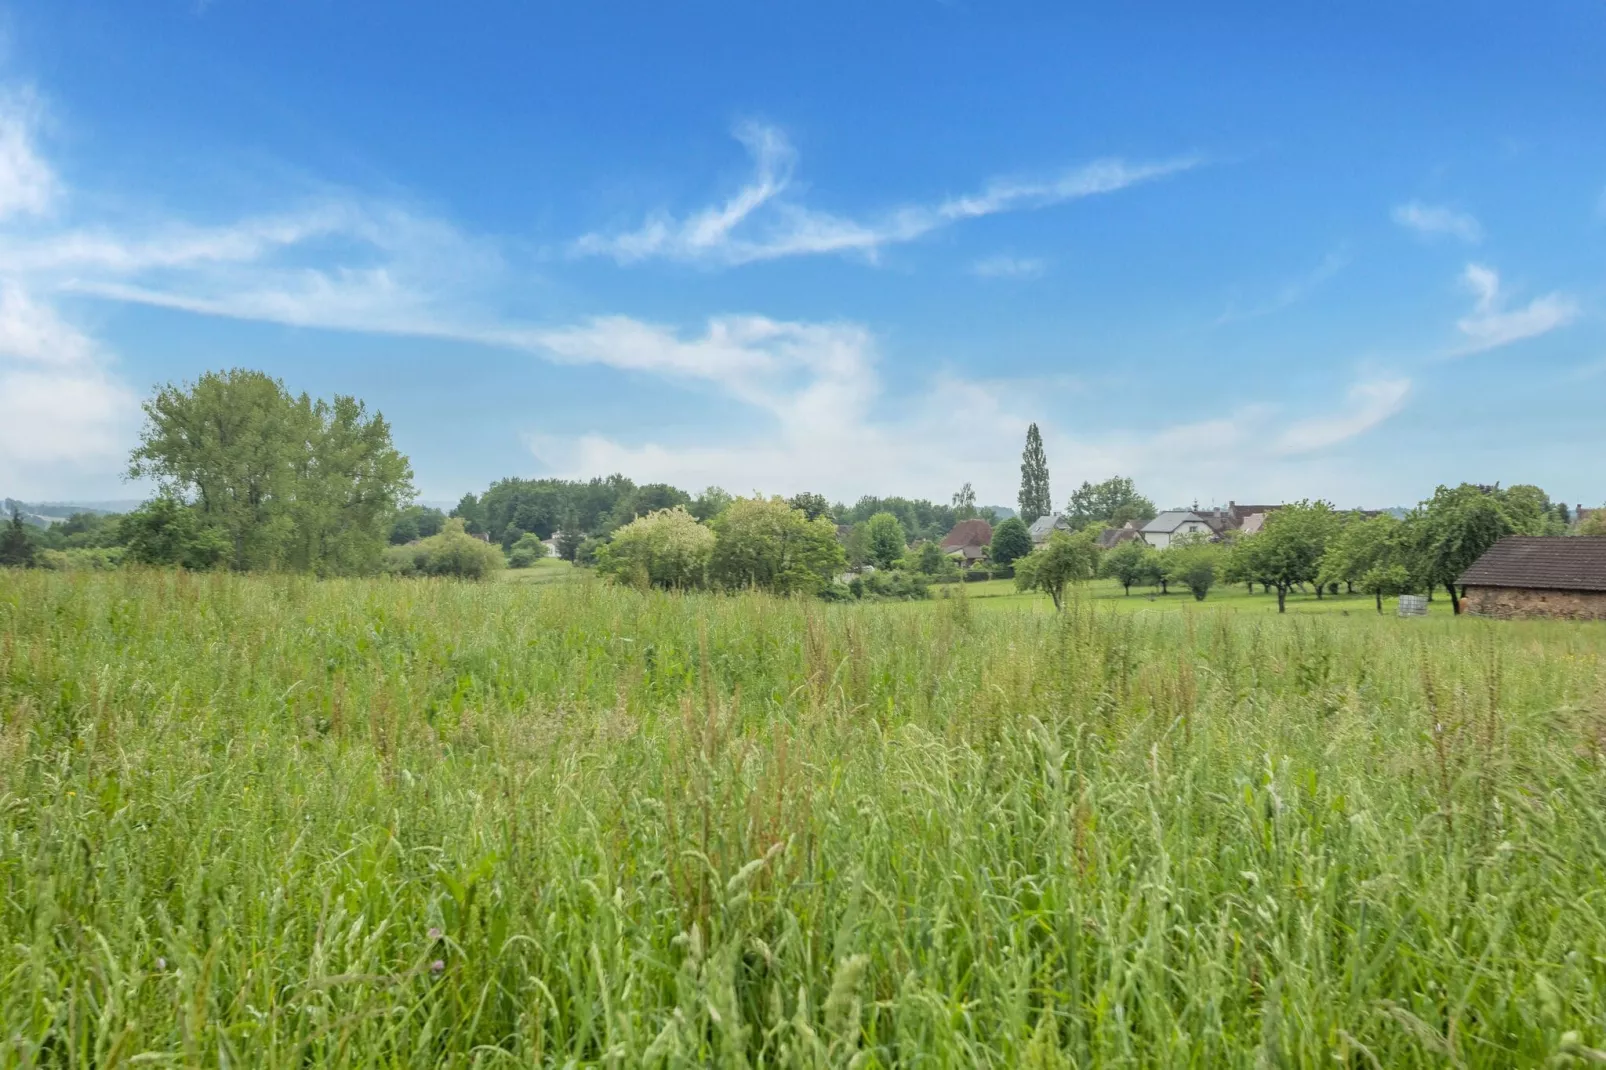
<point x="829" y="422"/>
<point x="1370" y="403"/>
<point x="60" y="406"/>
<point x="760" y="221"/>
<point x="342" y="262"/>
<point x="1434" y="220"/>
<point x="1491" y="324"/>
<point x="1004" y="266"/>
<point x="27" y="184"/>
<point x="33" y="332"/>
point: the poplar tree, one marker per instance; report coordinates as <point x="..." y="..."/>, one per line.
<point x="1034" y="496"/>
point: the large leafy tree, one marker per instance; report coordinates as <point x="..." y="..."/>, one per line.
<point x="416" y="522"/>
<point x="350" y="481"/>
<point x="811" y="504"/>
<point x="1288" y="551"/>
<point x="1361" y="545"/>
<point x="1063" y="560"/>
<point x="1115" y="501"/>
<point x="289" y="481"/>
<point x="1035" y="500"/>
<point x="1011" y="541"/>
<point x="886" y="539"/>
<point x="765" y="543"/>
<point x="1458" y="525"/>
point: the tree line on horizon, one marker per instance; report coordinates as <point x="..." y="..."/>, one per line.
<point x="252" y="477"/>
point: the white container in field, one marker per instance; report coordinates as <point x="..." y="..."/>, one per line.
<point x="1413" y="605"/>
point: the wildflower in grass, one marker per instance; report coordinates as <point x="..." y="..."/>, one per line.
<point x="434" y="934"/>
<point x="161" y="964"/>
<point x="437" y="966"/>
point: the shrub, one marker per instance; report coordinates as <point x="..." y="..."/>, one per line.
<point x="166" y="531"/>
<point x="767" y="544"/>
<point x="666" y="548"/>
<point x="102" y="559"/>
<point x="454" y="552"/>
<point x="526" y="552"/>
<point x="890" y="587"/>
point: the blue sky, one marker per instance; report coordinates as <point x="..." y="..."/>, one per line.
<point x="1254" y="253"/>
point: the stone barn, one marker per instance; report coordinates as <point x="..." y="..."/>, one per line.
<point x="1539" y="576"/>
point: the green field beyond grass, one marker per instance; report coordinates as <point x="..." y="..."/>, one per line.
<point x="277" y="822"/>
<point x="1107" y="594"/>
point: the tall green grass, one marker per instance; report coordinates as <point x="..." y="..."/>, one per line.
<point x="276" y="822"/>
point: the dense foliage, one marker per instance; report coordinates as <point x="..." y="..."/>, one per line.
<point x="1011" y="540"/>
<point x="262" y="821"/>
<point x="453" y="552"/>
<point x="1112" y="503"/>
<point x="667" y="548"/>
<point x="766" y="544"/>
<point x="289" y="482"/>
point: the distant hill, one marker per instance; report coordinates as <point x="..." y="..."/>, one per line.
<point x="1002" y="512"/>
<point x="44" y="514"/>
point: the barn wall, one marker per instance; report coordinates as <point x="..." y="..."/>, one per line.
<point x="1508" y="602"/>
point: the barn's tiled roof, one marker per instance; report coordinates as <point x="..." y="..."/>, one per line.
<point x="968" y="533"/>
<point x="1542" y="562"/>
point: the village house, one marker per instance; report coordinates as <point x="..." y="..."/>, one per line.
<point x="1539" y="576"/>
<point x="968" y="541"/>
<point x="1044" y="526"/>
<point x="1110" y="538"/>
<point x="1210" y="523"/>
<point x="1174" y="524"/>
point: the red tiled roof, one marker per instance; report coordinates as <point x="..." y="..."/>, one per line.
<point x="968" y="533"/>
<point x="1542" y="562"/>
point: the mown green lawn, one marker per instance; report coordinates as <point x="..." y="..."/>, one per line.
<point x="546" y="570"/>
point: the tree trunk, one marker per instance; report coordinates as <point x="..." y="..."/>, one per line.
<point x="1455" y="602"/>
<point x="1380" y="600"/>
<point x="1251" y="586"/>
<point x="1350" y="587"/>
<point x="1163" y="588"/>
<point x="1320" y="587"/>
<point x="1282" y="598"/>
<point x="1128" y="587"/>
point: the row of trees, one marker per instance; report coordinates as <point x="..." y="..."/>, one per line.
<point x="1311" y="545"/>
<point x="594" y="509"/>
<point x="776" y="545"/>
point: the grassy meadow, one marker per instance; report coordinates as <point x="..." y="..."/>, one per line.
<point x="268" y="821"/>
